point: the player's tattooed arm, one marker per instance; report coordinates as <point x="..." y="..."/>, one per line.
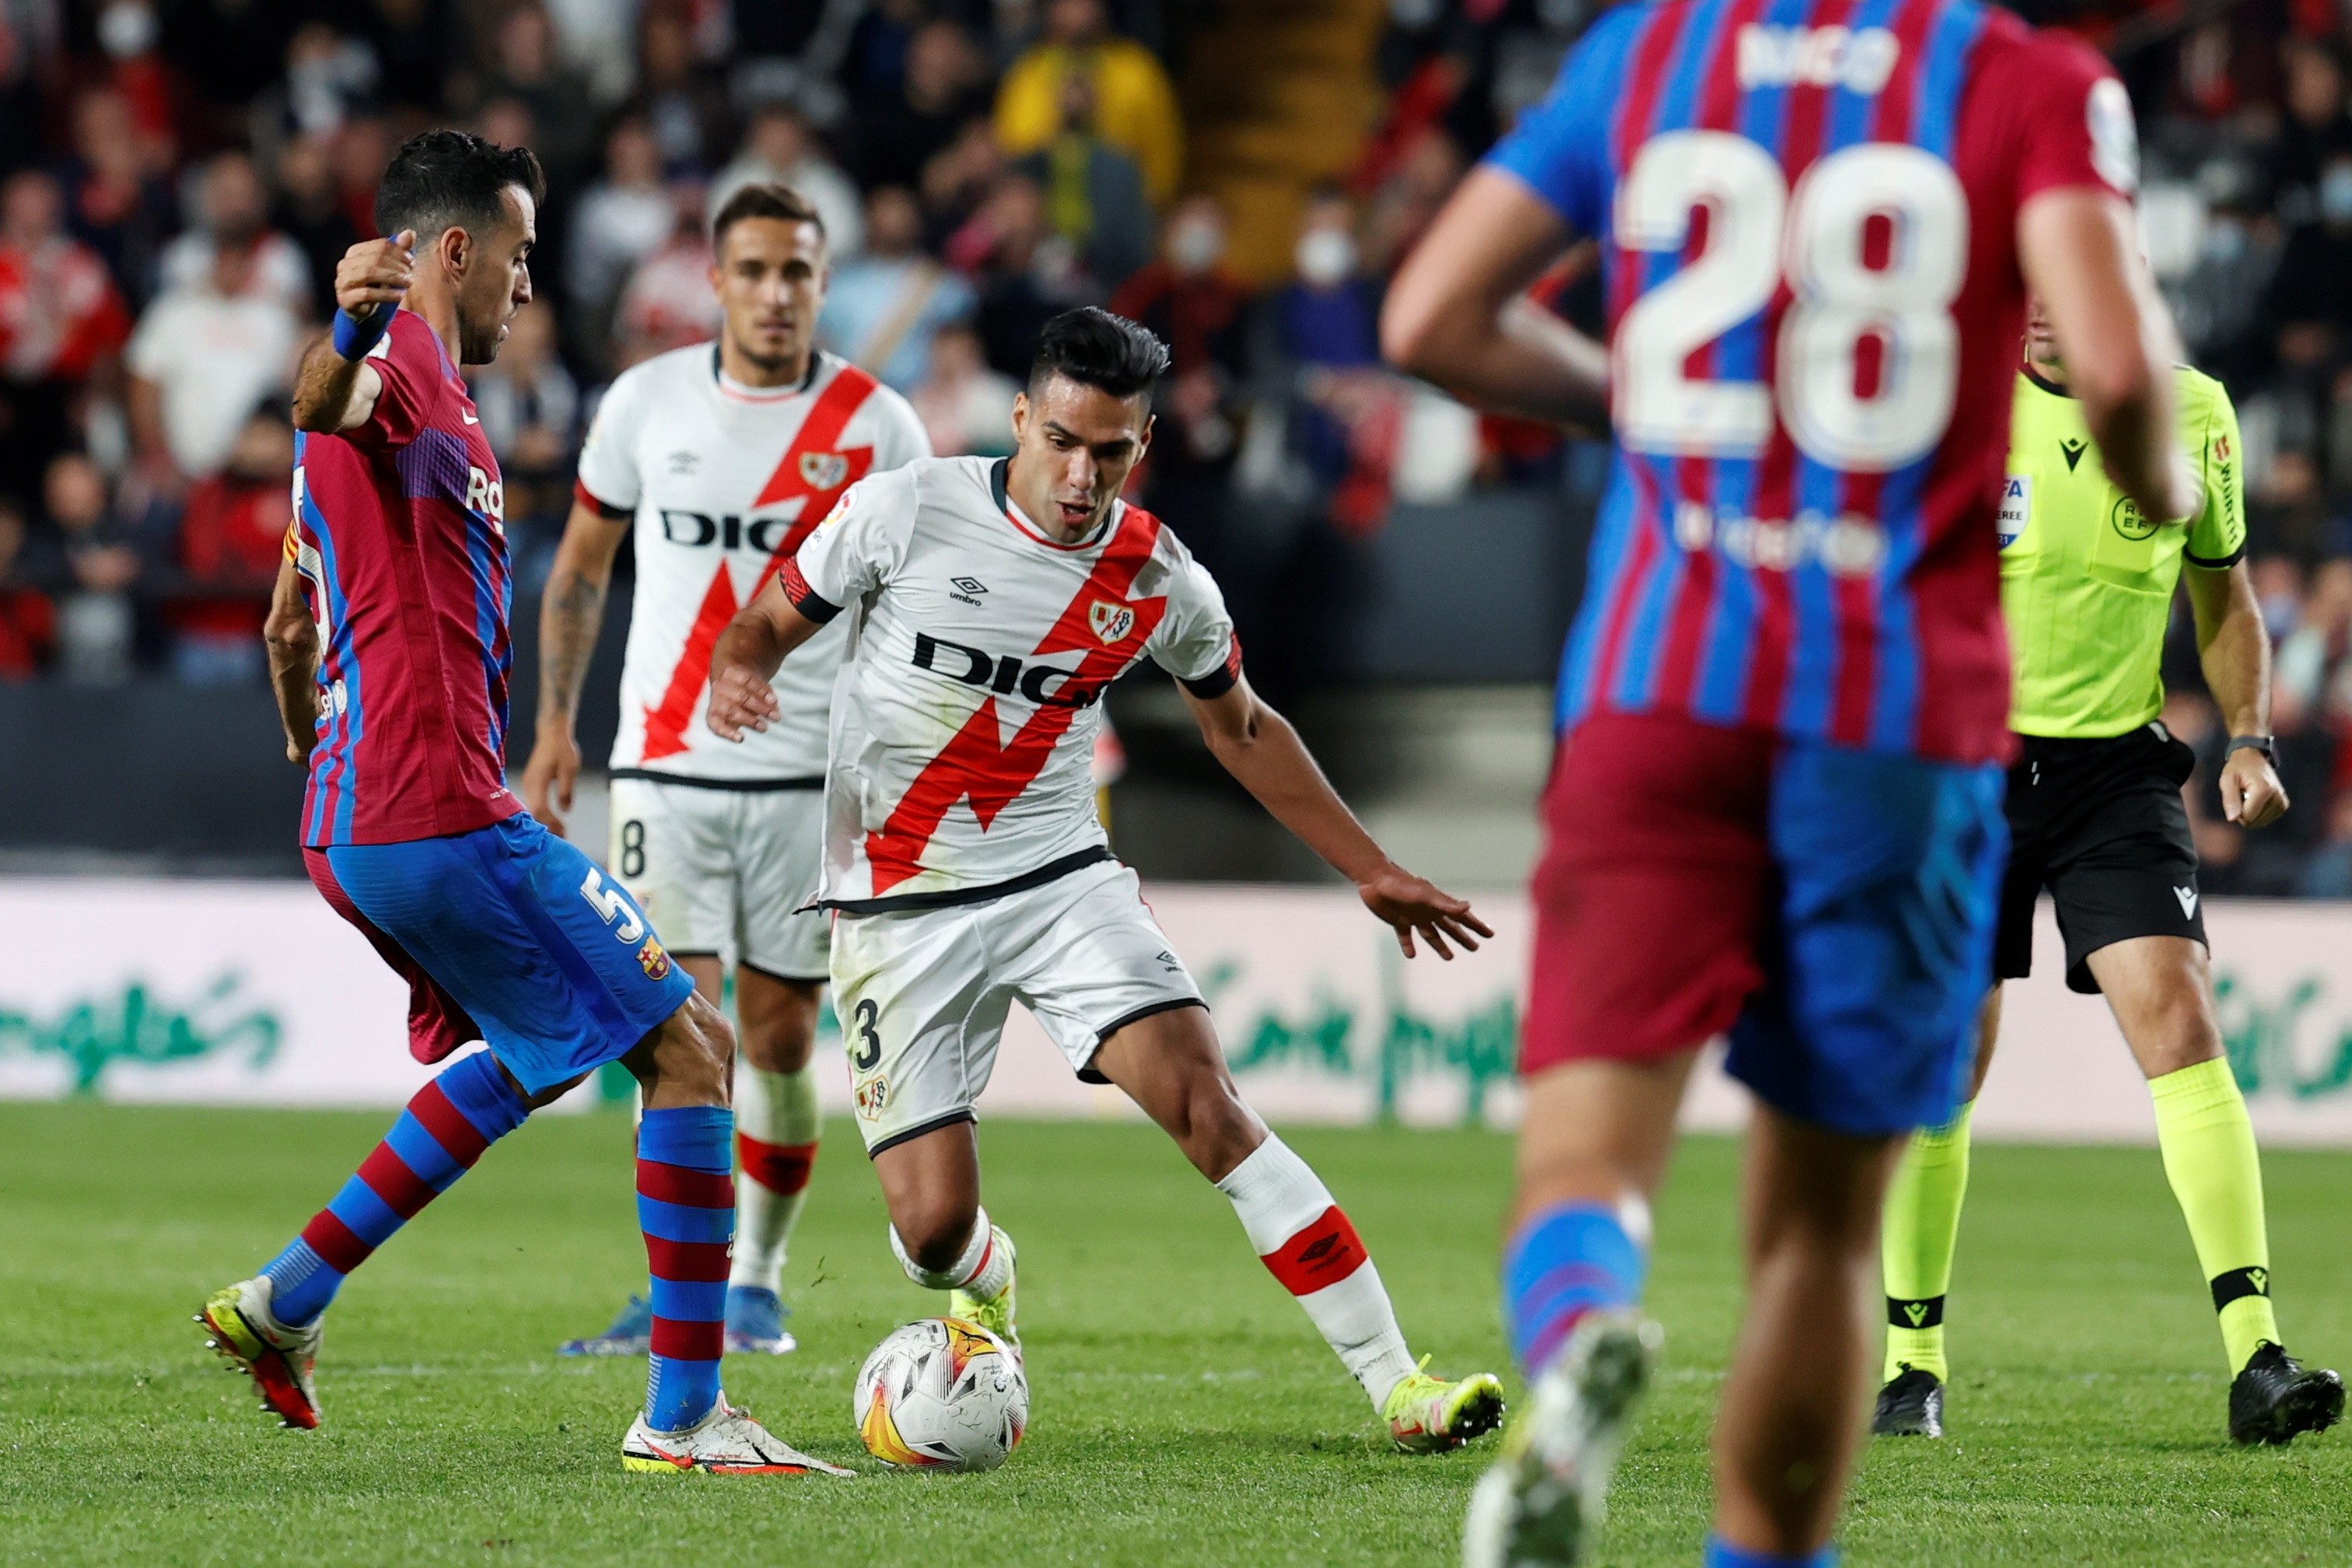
<point x="292" y="638"/>
<point x="750" y="650"/>
<point x="332" y="392"/>
<point x="570" y="615"/>
<point x="1260" y="749"/>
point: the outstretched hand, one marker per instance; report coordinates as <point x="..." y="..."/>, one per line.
<point x="739" y="700"/>
<point x="1412" y="904"/>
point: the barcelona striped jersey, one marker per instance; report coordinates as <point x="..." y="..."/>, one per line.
<point x="400" y="538"/>
<point x="1807" y="215"/>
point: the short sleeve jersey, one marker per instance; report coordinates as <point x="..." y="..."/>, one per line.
<point x="2086" y="582"/>
<point x="964" y="725"/>
<point x="1808" y="384"/>
<point x="400" y="540"/>
<point x="725" y="481"/>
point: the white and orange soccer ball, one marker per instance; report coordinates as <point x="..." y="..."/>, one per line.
<point x="942" y="1394"/>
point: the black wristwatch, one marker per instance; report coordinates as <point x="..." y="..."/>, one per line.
<point x="2262" y="743"/>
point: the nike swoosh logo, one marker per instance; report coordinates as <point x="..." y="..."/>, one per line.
<point x="469" y="419"/>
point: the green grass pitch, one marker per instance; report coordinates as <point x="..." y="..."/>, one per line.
<point x="1184" y="1413"/>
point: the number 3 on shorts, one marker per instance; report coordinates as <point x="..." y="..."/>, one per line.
<point x="866" y="1050"/>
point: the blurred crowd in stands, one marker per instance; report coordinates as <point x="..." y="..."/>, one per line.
<point x="179" y="177"/>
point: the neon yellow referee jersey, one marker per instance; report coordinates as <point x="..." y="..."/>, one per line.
<point x="2085" y="581"/>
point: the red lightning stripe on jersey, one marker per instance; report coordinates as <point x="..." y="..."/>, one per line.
<point x="666" y="723"/>
<point x="977" y="764"/>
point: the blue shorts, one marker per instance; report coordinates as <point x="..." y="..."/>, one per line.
<point x="512" y="932"/>
<point x="1830" y="909"/>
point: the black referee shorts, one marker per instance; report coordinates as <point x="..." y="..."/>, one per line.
<point x="2100" y="824"/>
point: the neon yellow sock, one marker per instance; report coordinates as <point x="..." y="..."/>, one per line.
<point x="1922" y="1224"/>
<point x="2217" y="1174"/>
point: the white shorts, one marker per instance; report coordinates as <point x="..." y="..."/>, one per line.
<point x="922" y="993"/>
<point x="721" y="871"/>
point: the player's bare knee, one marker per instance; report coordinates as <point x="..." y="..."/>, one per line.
<point x="934" y="1231"/>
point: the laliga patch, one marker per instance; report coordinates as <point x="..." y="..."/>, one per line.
<point x="653" y="960"/>
<point x="2016" y="509"/>
<point x="1110" y="622"/>
<point x="872" y="1096"/>
<point x="822" y="470"/>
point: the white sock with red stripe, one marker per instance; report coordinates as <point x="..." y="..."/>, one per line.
<point x="984" y="1268"/>
<point x="776" y="1123"/>
<point x="1308" y="1244"/>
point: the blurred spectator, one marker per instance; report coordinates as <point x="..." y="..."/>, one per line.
<point x="1094" y="192"/>
<point x="667" y="303"/>
<point x="1196" y="304"/>
<point x="232" y="212"/>
<point x="204" y="354"/>
<point x="959" y="181"/>
<point x="61" y="321"/>
<point x="683" y="99"/>
<point x="941" y="89"/>
<point x="361" y="152"/>
<point x="104" y="558"/>
<point x="1403" y="204"/>
<point x="308" y="214"/>
<point x="2328" y="873"/>
<point x="128" y="33"/>
<point x="524" y="66"/>
<point x="2308" y="298"/>
<point x="1135" y="104"/>
<point x="330" y="77"/>
<point x="2311" y="675"/>
<point x="1026" y="273"/>
<point x="28" y="627"/>
<point x="530" y="408"/>
<point x="781" y="148"/>
<point x="2315" y="128"/>
<point x="622" y="220"/>
<point x="232" y="538"/>
<point x="116" y="197"/>
<point x="883" y="308"/>
<point x="965" y="406"/>
<point x="1326" y="335"/>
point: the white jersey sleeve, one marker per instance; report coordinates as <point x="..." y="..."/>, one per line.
<point x="1194" y="641"/>
<point x="858" y="547"/>
<point x="608" y="468"/>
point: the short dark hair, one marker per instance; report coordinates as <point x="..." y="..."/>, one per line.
<point x="451" y="179"/>
<point x="1091" y="346"/>
<point x="764" y="198"/>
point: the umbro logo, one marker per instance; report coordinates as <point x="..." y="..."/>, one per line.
<point x="684" y="462"/>
<point x="969" y="585"/>
<point x="2188" y="897"/>
<point x="2074" y="450"/>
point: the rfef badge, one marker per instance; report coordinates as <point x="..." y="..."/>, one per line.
<point x="2016" y="508"/>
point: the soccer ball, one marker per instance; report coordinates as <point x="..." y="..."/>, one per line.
<point x="942" y="1394"/>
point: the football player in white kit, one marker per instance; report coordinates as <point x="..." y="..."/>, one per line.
<point x="722" y="458"/>
<point x="990" y="604"/>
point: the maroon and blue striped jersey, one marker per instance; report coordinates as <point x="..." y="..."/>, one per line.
<point x="1807" y="215"/>
<point x="400" y="538"/>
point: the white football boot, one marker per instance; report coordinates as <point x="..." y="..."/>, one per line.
<point x="278" y="1358"/>
<point x="1541" y="1504"/>
<point x="726" y="1442"/>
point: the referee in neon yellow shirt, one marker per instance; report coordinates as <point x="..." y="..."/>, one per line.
<point x="2095" y="818"/>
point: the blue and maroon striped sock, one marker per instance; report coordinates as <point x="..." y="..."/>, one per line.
<point x="686" y="1206"/>
<point x="1565" y="1261"/>
<point x="437" y="1140"/>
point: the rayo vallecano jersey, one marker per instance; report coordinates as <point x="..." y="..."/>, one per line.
<point x="726" y="480"/>
<point x="964" y="723"/>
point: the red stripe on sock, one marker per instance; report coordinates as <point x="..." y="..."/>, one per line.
<point x="682" y="1184"/>
<point x="460" y="1139"/>
<point x="332" y="1239"/>
<point x="781" y="1168"/>
<point x="403" y="1192"/>
<point x="686" y="1260"/>
<point x="689" y="1342"/>
<point x="1326" y="1252"/>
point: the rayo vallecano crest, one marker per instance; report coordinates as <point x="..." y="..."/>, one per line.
<point x="822" y="470"/>
<point x="1111" y="622"/>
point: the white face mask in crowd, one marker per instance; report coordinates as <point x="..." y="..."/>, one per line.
<point x="1326" y="257"/>
<point x="1196" y="245"/>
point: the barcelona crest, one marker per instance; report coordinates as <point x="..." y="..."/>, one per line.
<point x="652" y="959"/>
